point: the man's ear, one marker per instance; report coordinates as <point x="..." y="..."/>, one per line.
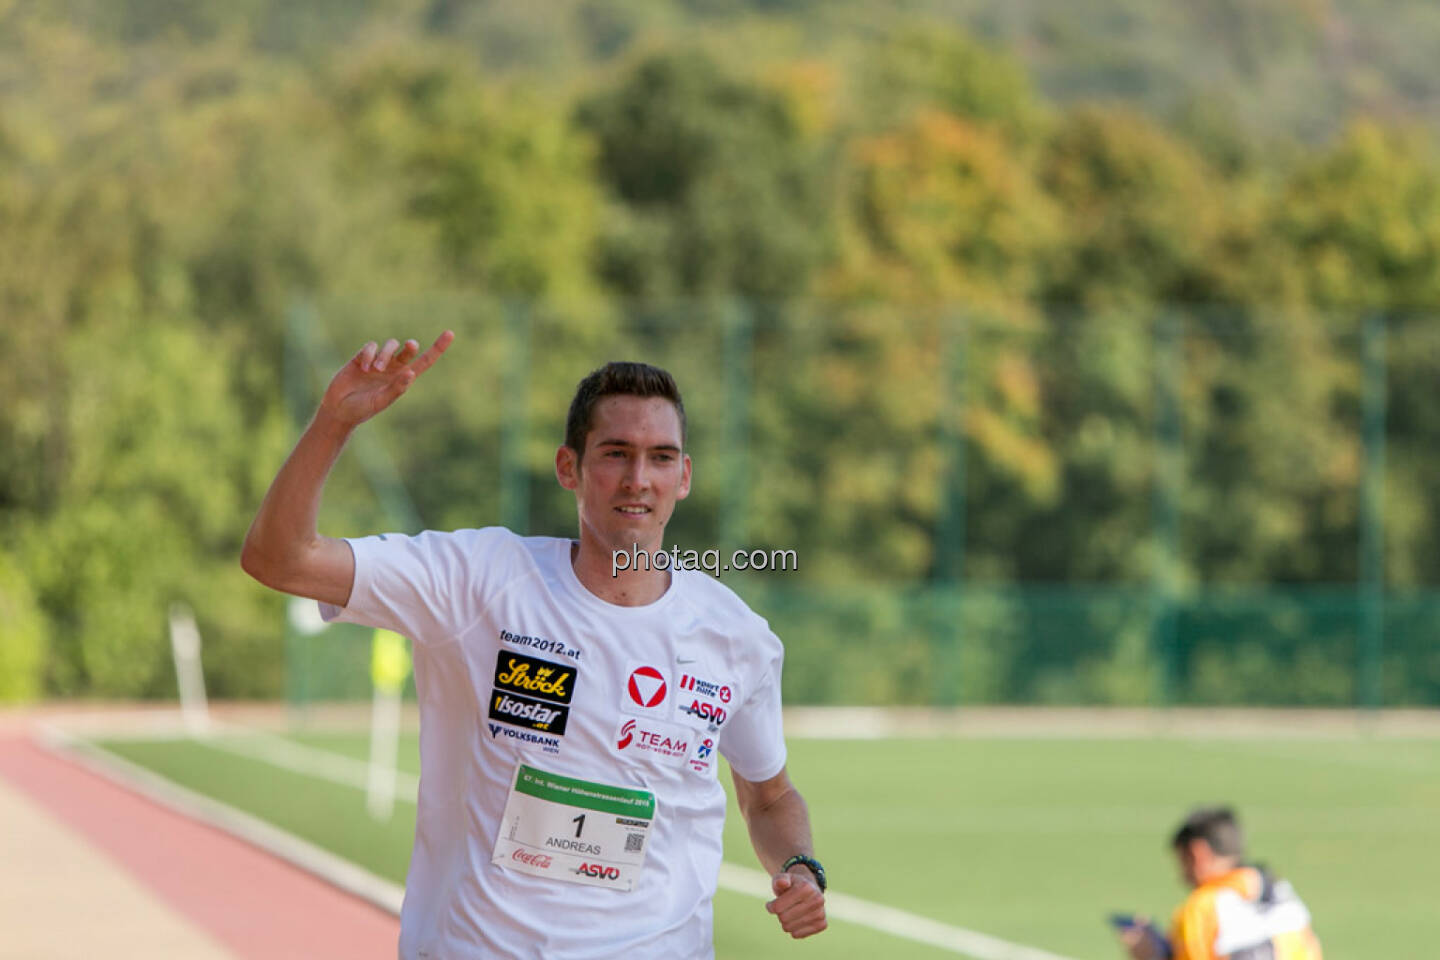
<point x="684" y="490"/>
<point x="567" y="467"/>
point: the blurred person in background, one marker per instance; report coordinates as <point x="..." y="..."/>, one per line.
<point x="1235" y="910"/>
<point x="572" y="715"/>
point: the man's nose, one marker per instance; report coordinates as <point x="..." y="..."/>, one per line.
<point x="636" y="476"/>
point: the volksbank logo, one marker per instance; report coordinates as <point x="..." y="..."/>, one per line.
<point x="497" y="731"/>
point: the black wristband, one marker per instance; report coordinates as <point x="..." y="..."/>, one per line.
<point x="810" y="862"/>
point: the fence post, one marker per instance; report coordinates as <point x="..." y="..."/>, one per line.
<point x="1169" y="478"/>
<point x="950" y="548"/>
<point x="738" y="357"/>
<point x="514" y="425"/>
<point x="1369" y="686"/>
<point x="948" y="587"/>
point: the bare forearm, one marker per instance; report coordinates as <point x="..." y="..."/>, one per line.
<point x="285" y="530"/>
<point x="284" y="548"/>
<point x="779" y="824"/>
<point x="780" y="829"/>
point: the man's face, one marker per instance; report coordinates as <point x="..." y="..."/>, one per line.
<point x="631" y="473"/>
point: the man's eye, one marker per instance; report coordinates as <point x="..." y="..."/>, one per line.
<point x="615" y="453"/>
<point x="664" y="457"/>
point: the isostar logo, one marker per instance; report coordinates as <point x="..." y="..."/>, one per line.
<point x="706" y="688"/>
<point x="539" y="860"/>
<point x="534" y="714"/>
<point x="598" y="871"/>
<point x="663" y="742"/>
<point x="537" y="678"/>
<point x="709" y="712"/>
<point x="524" y="712"/>
<point x="646" y="687"/>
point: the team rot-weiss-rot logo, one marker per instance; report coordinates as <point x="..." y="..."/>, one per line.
<point x="659" y="739"/>
<point x="647" y="687"/>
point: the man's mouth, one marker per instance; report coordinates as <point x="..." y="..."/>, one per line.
<point x="634" y="510"/>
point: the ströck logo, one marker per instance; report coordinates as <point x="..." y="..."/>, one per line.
<point x="647" y="686"/>
<point x="627" y="734"/>
<point x="534" y="677"/>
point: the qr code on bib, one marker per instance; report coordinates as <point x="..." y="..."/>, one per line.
<point x="633" y="842"/>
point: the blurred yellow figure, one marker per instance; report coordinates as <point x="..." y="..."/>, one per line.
<point x="389" y="661"/>
<point x="1235" y="911"/>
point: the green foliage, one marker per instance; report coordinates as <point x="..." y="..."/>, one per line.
<point x="918" y="309"/>
<point x="24" y="640"/>
<point x="716" y="191"/>
<point x="924" y="66"/>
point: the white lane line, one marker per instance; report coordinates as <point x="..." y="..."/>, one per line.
<point x="897" y="923"/>
<point x="311" y="761"/>
<point x="337" y="768"/>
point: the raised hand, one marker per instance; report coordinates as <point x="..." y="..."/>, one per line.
<point x="376" y="377"/>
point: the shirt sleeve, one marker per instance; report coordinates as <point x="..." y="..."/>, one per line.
<point x="428" y="587"/>
<point x="753" y="741"/>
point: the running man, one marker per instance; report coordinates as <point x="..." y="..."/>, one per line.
<point x="571" y="717"/>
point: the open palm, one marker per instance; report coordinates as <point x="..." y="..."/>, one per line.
<point x="377" y="376"/>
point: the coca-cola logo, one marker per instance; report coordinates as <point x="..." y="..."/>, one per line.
<point x="539" y="860"/>
<point x="627" y="734"/>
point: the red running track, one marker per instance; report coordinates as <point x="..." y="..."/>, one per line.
<point x="255" y="905"/>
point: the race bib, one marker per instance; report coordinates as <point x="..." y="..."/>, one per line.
<point x="574" y="830"/>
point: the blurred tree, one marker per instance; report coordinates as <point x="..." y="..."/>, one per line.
<point x="1361" y="223"/>
<point x="24" y="642"/>
<point x="931" y="66"/>
<point x="715" y="191"/>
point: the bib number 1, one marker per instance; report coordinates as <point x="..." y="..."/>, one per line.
<point x="574" y="830"/>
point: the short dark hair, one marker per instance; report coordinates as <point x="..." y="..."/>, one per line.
<point x="1217" y="826"/>
<point x="618" y="378"/>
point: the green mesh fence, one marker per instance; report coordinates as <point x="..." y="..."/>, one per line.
<point x="1029" y="505"/>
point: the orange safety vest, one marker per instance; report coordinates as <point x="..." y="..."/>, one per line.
<point x="1243" y="915"/>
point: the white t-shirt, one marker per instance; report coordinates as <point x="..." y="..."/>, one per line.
<point x="516" y="661"/>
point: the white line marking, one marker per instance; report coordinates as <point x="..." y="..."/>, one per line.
<point x="897" y="923"/>
<point x="311" y="761"/>
<point x="317" y="762"/>
<point x="338" y="768"/>
<point x="330" y="867"/>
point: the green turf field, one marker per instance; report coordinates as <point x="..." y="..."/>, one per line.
<point x="1034" y="841"/>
